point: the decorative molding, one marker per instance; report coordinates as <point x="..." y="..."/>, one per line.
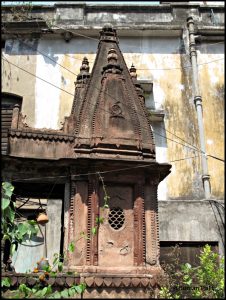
<point x="133" y="113"/>
<point x="139" y="226"/>
<point x="125" y="281"/>
<point x="116" y="110"/>
<point x="41" y="135"/>
<point x="71" y="215"/>
<point x="94" y="281"/>
<point x="93" y="208"/>
<point x="154" y="226"/>
<point x="89" y="225"/>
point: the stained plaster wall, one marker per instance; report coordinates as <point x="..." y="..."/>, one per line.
<point x="161" y="60"/>
<point x="16" y="81"/>
<point x="212" y="91"/>
<point x="192" y="220"/>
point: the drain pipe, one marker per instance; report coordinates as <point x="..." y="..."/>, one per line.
<point x="198" y="105"/>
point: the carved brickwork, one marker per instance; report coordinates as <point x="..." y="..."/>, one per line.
<point x="71" y="215"/>
<point x="139" y="226"/>
<point x="89" y="224"/>
<point x="107" y="131"/>
<point x="93" y="208"/>
<point x="152" y="259"/>
<point x="96" y="124"/>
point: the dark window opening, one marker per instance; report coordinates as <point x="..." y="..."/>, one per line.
<point x="39" y="190"/>
<point x="9" y="100"/>
<point x="2" y="44"/>
<point x="7" y="104"/>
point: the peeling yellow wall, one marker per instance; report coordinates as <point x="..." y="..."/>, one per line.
<point x="212" y="91"/>
<point x="185" y="180"/>
<point x="172" y="91"/>
<point x="180" y="119"/>
<point x="18" y="82"/>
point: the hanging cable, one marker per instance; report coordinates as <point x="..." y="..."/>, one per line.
<point x="193" y="147"/>
<point x="109" y="95"/>
<point x="104" y="172"/>
<point x="77" y="75"/>
<point x="91" y="103"/>
<point x="151" y="69"/>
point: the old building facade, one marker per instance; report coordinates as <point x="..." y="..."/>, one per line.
<point x="43" y="55"/>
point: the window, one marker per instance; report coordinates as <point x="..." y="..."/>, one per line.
<point x="116" y="218"/>
<point x="7" y="104"/>
<point x="3" y="44"/>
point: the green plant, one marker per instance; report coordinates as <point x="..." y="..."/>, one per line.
<point x="106" y="196"/>
<point x="42" y="289"/>
<point x="14" y="232"/>
<point x="6" y="282"/>
<point x="205" y="281"/>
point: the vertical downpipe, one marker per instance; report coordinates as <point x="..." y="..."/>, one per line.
<point x="198" y="105"/>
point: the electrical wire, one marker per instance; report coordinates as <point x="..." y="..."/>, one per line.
<point x="99" y="89"/>
<point x="193" y="147"/>
<point x="102" y="172"/>
<point x="37" y="77"/>
<point x="94" y="87"/>
<point x="219" y="228"/>
<point x="77" y="75"/>
<point x="88" y="37"/>
<point x="149" y="69"/>
<point x="92" y="61"/>
<point x="186" y="67"/>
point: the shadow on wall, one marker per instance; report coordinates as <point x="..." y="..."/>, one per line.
<point x="160" y="134"/>
<point x="211" y="47"/>
<point x="143" y="45"/>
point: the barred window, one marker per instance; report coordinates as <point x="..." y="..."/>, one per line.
<point x="116" y="218"/>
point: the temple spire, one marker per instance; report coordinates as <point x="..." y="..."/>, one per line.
<point x="139" y="89"/>
<point x="111" y="116"/>
<point x="112" y="66"/>
<point x="84" y="71"/>
<point x="80" y="85"/>
<point x="108" y="33"/>
<point x="133" y="73"/>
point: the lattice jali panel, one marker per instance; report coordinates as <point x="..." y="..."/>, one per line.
<point x="116" y="218"/>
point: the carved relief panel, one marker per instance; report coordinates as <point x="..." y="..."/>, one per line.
<point x="116" y="234"/>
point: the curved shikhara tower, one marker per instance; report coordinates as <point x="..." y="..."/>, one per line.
<point x="106" y="152"/>
<point x="110" y="116"/>
<point x="113" y="134"/>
